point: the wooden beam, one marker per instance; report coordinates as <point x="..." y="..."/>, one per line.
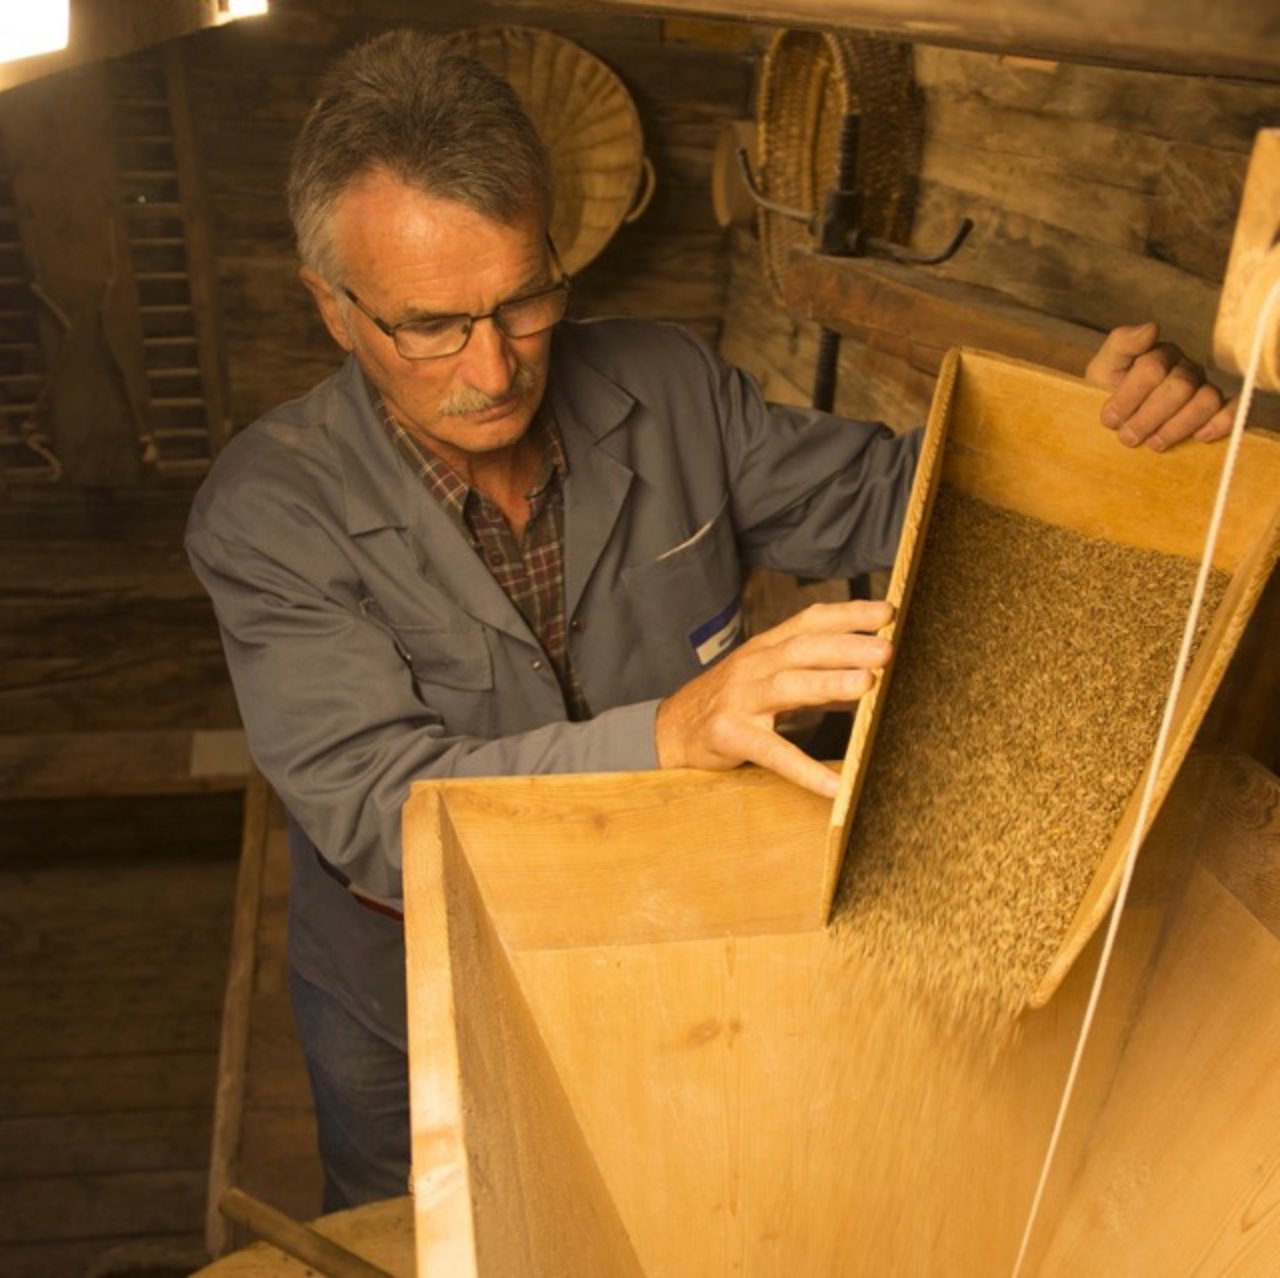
<point x="201" y="258"/>
<point x="103" y="29"/>
<point x="68" y="203"/>
<point x="915" y="315"/>
<point x="911" y="312"/>
<point x="61" y="764"/>
<point x="1234" y="37"/>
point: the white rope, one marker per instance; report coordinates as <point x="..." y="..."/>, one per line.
<point x="1157" y="758"/>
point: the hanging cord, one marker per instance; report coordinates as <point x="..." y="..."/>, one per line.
<point x="1157" y="758"/>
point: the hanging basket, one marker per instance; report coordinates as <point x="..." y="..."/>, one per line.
<point x="590" y="125"/>
<point x="809" y="82"/>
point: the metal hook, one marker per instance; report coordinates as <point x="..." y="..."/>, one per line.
<point x="852" y="242"/>
<point x="785" y="210"/>
<point x="899" y="254"/>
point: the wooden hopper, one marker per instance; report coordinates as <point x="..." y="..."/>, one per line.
<point x="636" y="1049"/>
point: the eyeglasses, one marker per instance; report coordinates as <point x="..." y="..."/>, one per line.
<point x="439" y="336"/>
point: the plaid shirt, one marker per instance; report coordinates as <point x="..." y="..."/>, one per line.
<point x="530" y="570"/>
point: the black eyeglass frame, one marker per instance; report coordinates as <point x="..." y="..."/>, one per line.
<point x="561" y="285"/>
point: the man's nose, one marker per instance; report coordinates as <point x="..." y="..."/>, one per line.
<point x="489" y="362"/>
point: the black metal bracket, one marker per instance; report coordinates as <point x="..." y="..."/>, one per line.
<point x="839" y="231"/>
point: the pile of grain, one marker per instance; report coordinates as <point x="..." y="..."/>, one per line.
<point x="1025" y="702"/>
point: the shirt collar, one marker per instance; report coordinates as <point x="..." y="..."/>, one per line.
<point x="444" y="483"/>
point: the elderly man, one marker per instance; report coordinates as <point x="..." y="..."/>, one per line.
<point x="495" y="542"/>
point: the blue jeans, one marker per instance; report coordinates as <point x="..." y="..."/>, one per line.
<point x="360" y="1085"/>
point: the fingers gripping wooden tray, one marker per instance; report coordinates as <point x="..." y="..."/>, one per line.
<point x="637" y="1047"/>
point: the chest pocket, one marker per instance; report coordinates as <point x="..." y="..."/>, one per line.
<point x="456" y="658"/>
<point x="687" y="600"/>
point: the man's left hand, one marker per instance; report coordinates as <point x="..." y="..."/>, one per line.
<point x="1160" y="397"/>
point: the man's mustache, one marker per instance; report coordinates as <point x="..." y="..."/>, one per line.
<point x="469" y="400"/>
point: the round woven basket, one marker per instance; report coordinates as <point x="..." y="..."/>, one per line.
<point x="809" y="82"/>
<point x="590" y="125"/>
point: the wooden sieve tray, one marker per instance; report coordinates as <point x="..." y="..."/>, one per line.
<point x="1027" y="440"/>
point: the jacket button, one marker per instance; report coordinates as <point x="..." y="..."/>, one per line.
<point x="575" y="625"/>
<point x="536" y="663"/>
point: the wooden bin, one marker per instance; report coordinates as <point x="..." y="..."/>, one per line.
<point x="637" y="1051"/>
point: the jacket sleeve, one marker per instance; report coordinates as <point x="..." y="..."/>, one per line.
<point x="338" y="725"/>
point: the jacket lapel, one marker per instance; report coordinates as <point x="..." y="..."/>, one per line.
<point x="381" y="492"/>
<point x="588" y="408"/>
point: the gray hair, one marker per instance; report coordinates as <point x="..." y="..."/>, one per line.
<point x="434" y="118"/>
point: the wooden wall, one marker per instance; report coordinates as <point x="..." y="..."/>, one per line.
<point x="102" y="626"/>
<point x="252" y="83"/>
<point x="1100" y="195"/>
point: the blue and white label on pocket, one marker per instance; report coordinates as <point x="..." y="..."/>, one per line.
<point x="717" y="635"/>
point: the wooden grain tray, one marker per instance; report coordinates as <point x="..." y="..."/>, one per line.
<point x="1027" y="440"/>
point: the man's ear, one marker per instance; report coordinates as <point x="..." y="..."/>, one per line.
<point x="331" y="310"/>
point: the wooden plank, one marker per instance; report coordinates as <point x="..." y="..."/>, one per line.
<point x="145" y="665"/>
<point x="101" y="1206"/>
<point x="1241" y="844"/>
<point x="1253" y="271"/>
<point x="134" y="1140"/>
<point x="1181" y="1176"/>
<point x="380" y="1233"/>
<point x="81" y="827"/>
<point x="1018" y="177"/>
<point x="158" y="761"/>
<point x="197" y="231"/>
<point x="264" y="1139"/>
<point x="163" y="1251"/>
<point x="1238" y="37"/>
<point x="601" y="839"/>
<point x="113" y="1084"/>
<point x="918" y="316"/>
<point x="528" y="1147"/>
<point x="111" y="960"/>
<point x="72" y="235"/>
<point x="80" y="942"/>
<point x="92" y="1021"/>
<point x="233" y="1044"/>
<point x="1093" y="105"/>
<point x="44" y="568"/>
<point x="906" y="565"/>
<point x="780" y="351"/>
<point x="103" y="29"/>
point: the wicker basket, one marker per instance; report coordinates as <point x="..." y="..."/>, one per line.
<point x="590" y="126"/>
<point x="809" y="82"/>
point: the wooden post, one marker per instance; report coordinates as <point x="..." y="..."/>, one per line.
<point x="58" y="140"/>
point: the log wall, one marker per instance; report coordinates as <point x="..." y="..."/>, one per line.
<point x="1100" y="195"/>
<point x="252" y="82"/>
<point x="102" y="625"/>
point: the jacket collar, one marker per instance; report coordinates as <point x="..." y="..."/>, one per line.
<point x="380" y="491"/>
<point x="589" y="407"/>
<point x="376" y="482"/>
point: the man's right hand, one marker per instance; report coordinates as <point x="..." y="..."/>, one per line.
<point x="824" y="657"/>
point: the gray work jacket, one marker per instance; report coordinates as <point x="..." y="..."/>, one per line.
<point x="369" y="646"/>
